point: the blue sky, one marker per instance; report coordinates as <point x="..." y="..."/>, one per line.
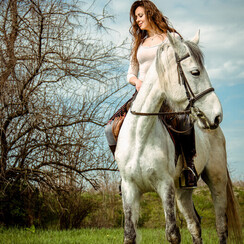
<point x="221" y="23"/>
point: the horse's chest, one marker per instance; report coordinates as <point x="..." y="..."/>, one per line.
<point x="146" y="176"/>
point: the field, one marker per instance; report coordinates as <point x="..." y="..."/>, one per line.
<point x="93" y="236"/>
<point x="103" y="224"/>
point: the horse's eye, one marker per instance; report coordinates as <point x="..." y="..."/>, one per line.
<point x="195" y="72"/>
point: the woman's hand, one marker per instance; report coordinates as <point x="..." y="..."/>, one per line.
<point x="135" y="82"/>
<point x="138" y="84"/>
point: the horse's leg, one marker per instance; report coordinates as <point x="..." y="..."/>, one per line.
<point x="131" y="204"/>
<point x="216" y="179"/>
<point x="185" y="205"/>
<point x="166" y="191"/>
<point x="215" y="176"/>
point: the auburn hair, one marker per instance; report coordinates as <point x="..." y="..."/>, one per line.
<point x="155" y="18"/>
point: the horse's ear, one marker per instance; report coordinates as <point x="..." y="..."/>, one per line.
<point x="196" y="38"/>
<point x="174" y="41"/>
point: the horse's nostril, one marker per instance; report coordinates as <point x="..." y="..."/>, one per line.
<point x="217" y="120"/>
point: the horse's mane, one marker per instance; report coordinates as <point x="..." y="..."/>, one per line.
<point x="195" y="52"/>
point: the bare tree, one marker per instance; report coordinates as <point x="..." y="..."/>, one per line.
<point x="57" y="75"/>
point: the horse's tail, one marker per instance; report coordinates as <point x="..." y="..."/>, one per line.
<point x="232" y="212"/>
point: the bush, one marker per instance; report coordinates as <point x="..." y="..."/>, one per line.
<point x="73" y="208"/>
<point x="19" y="204"/>
<point x="23" y="206"/>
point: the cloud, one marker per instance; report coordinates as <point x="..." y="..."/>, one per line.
<point x="121" y="6"/>
<point x="222" y="33"/>
<point x="225" y="71"/>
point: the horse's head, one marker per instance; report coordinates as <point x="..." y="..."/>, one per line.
<point x="185" y="81"/>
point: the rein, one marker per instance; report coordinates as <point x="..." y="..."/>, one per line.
<point x="161" y="113"/>
<point x="192" y="98"/>
<point x="164" y="114"/>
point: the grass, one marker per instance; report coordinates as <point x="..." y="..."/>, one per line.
<point x="93" y="236"/>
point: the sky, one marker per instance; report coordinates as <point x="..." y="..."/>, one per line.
<point x="221" y="24"/>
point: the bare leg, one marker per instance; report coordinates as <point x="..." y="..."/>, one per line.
<point x="167" y="194"/>
<point x="185" y="204"/>
<point x="131" y="205"/>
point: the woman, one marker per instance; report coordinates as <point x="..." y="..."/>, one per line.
<point x="149" y="30"/>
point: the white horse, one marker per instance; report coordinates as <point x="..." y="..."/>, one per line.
<point x="145" y="152"/>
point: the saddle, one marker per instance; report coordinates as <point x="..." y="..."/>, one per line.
<point x="119" y="119"/>
<point x="119" y="116"/>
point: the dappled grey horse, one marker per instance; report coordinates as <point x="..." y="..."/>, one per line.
<point x="145" y="152"/>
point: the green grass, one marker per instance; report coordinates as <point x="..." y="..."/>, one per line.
<point x="93" y="236"/>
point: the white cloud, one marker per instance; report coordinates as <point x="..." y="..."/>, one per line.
<point x="241" y="75"/>
<point x="121" y="6"/>
<point x="224" y="71"/>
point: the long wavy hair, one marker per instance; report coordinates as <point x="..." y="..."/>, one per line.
<point x="155" y="18"/>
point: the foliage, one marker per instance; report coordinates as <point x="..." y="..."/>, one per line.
<point x="20" y="205"/>
<point x="73" y="208"/>
<point x="101" y="209"/>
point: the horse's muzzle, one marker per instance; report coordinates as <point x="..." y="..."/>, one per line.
<point x="205" y="121"/>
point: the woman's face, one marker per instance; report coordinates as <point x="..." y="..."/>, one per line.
<point x="141" y="19"/>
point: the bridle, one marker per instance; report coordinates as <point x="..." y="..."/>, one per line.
<point x="192" y="98"/>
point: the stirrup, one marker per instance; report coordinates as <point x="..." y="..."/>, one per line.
<point x="184" y="181"/>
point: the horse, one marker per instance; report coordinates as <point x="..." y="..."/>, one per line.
<point x="145" y="153"/>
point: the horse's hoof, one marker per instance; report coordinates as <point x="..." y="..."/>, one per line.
<point x="126" y="241"/>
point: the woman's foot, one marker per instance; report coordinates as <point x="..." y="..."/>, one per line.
<point x="188" y="178"/>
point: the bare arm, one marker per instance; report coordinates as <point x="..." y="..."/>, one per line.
<point x="132" y="75"/>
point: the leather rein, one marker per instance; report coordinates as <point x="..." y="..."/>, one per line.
<point x="192" y="98"/>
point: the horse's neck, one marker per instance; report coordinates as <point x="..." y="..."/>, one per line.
<point x="150" y="98"/>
